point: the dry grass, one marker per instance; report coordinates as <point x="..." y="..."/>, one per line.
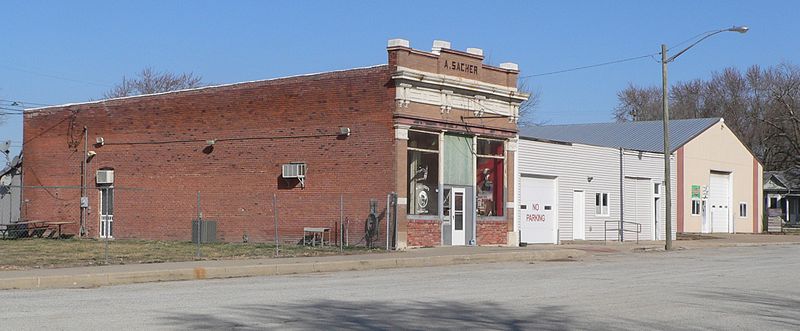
<point x="24" y="254"/>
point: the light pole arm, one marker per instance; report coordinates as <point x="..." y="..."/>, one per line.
<point x="740" y="29"/>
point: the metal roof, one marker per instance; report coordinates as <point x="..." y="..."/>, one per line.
<point x="646" y="136"/>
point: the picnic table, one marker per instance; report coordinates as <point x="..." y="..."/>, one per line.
<point x="35" y="228"/>
<point x="316" y="233"/>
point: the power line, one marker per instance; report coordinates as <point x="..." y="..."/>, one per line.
<point x="20" y="102"/>
<point x="18" y="111"/>
<point x="54" y="76"/>
<point x="593" y="65"/>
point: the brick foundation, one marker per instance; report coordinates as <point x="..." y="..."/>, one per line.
<point x="424" y="233"/>
<point x="492" y="233"/>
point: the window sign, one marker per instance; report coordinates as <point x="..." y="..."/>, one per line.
<point x="696" y="191"/>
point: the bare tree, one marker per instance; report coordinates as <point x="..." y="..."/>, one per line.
<point x="638" y="104"/>
<point x="151" y="81"/>
<point x="527" y="109"/>
<point x="761" y="105"/>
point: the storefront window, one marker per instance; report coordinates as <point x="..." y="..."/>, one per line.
<point x="490" y="167"/>
<point x="423" y="173"/>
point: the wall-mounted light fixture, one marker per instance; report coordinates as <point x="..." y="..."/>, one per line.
<point x="99" y="141"/>
<point x="90" y="155"/>
<point x="344" y="132"/>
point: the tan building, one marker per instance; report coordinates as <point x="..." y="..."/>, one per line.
<point x="719" y="184"/>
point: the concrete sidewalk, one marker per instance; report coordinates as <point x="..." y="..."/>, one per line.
<point x="85" y="277"/>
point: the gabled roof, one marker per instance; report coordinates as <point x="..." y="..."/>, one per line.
<point x="788" y="178"/>
<point x="646" y="136"/>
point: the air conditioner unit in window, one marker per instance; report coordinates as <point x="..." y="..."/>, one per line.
<point x="105" y="176"/>
<point x="296" y="170"/>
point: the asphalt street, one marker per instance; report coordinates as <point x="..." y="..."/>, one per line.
<point x="753" y="288"/>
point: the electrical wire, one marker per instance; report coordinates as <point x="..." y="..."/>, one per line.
<point x="592" y="65"/>
<point x="20" y="102"/>
<point x="54" y="76"/>
<point x="11" y="109"/>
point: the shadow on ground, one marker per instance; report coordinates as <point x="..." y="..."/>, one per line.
<point x="383" y="316"/>
<point x="781" y="311"/>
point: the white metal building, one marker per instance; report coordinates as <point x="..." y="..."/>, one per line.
<point x="586" y="181"/>
<point x="571" y="191"/>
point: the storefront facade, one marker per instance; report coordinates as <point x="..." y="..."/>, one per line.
<point x="455" y="128"/>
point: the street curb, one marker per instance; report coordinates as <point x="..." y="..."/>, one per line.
<point x="132" y="277"/>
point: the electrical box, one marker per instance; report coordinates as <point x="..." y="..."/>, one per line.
<point x="207" y="232"/>
<point x="84" y="202"/>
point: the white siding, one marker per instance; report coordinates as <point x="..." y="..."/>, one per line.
<point x="573" y="165"/>
<point x="651" y="165"/>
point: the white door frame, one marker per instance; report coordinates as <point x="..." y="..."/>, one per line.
<point x="579" y="235"/>
<point x="655" y="207"/>
<point x="729" y="201"/>
<point x="458" y="237"/>
<point x="106" y="229"/>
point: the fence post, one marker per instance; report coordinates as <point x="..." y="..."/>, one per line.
<point x="341" y="222"/>
<point x="199" y="226"/>
<point x="275" y="220"/>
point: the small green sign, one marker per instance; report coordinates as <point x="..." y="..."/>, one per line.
<point x="696" y="191"/>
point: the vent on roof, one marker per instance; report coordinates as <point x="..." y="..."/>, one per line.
<point x="105" y="176"/>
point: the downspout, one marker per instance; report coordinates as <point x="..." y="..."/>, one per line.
<point x="621" y="196"/>
<point x="83" y="180"/>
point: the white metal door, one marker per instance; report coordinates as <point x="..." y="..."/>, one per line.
<point x="457" y="217"/>
<point x="579" y="215"/>
<point x="719" y="201"/>
<point x="638" y="207"/>
<point x="106" y="212"/>
<point x="537" y="206"/>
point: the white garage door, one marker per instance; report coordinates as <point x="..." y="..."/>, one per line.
<point x="638" y="207"/>
<point x="537" y="208"/>
<point x="718" y="200"/>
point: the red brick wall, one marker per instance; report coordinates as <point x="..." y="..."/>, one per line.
<point x="156" y="145"/>
<point x="424" y="233"/>
<point x="492" y="233"/>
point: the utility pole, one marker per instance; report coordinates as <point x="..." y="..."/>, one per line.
<point x="667" y="177"/>
<point x="665" y="107"/>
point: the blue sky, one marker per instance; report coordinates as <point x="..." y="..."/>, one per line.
<point x="59" y="52"/>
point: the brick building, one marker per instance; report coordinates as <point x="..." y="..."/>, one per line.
<point x="435" y="127"/>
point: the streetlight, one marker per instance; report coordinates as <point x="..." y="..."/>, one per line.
<point x="665" y="107"/>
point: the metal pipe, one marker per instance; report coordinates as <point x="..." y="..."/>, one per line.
<point x="621" y="233"/>
<point x="388" y="200"/>
<point x="341" y="222"/>
<point x="275" y="220"/>
<point x="199" y="225"/>
<point x="82" y="231"/>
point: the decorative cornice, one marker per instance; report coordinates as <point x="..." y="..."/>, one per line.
<point x="453" y="82"/>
